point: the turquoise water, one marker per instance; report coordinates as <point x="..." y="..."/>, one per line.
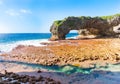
<point x="67" y="69"/>
<point x="9" y="41"/>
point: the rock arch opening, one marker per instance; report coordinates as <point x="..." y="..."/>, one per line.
<point x="72" y="34"/>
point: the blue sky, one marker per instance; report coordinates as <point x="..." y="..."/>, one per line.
<point x="34" y="16"/>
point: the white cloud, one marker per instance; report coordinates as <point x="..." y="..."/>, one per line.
<point x="20" y="12"/>
<point x="25" y="11"/>
<point x="12" y="12"/>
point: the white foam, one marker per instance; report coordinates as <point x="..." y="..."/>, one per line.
<point x="113" y="68"/>
<point x="6" y="47"/>
<point x="74" y="37"/>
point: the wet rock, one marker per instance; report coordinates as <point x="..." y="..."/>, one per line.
<point x="13" y="75"/>
<point x="32" y="82"/>
<point x="19" y="47"/>
<point x="2" y="75"/>
<point x="41" y="78"/>
<point x="49" y="79"/>
<point x="25" y="80"/>
<point x="44" y="43"/>
<point x="13" y="78"/>
<point x="9" y="79"/>
<point x="117" y="58"/>
<point x="16" y="82"/>
<point x="39" y="71"/>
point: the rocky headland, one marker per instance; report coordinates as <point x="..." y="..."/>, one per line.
<point x="104" y="26"/>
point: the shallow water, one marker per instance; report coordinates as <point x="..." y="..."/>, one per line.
<point x="68" y="69"/>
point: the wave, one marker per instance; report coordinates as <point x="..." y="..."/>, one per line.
<point x="6" y="47"/>
<point x="72" y="37"/>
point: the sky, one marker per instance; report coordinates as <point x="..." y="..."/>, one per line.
<point x="36" y="16"/>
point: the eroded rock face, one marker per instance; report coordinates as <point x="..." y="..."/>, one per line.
<point x="117" y="29"/>
<point x="100" y="26"/>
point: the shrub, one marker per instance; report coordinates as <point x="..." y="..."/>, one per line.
<point x="109" y="17"/>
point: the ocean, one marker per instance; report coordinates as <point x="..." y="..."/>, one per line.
<point x="10" y="40"/>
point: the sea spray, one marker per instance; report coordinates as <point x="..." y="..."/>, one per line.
<point x="6" y="47"/>
<point x="8" y="41"/>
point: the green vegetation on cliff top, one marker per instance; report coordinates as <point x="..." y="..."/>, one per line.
<point x="59" y="22"/>
<point x="109" y="17"/>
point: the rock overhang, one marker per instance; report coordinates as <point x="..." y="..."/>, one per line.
<point x="101" y="26"/>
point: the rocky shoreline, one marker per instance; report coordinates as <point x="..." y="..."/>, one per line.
<point x="81" y="53"/>
<point x="13" y="78"/>
<point x="48" y="77"/>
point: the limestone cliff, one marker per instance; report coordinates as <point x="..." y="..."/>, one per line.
<point x="99" y="26"/>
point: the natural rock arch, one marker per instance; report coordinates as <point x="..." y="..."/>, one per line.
<point x="100" y="26"/>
